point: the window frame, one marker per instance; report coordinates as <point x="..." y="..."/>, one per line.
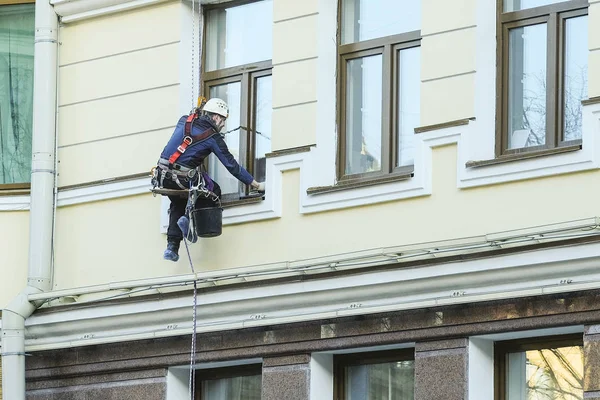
<point x="236" y="371"/>
<point x="388" y="47"/>
<point x="341" y="361"/>
<point x="247" y="75"/>
<point x="503" y="348"/>
<point x="554" y="16"/>
<point x="25" y="187"/>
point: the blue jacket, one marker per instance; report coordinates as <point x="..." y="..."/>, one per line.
<point x="197" y="152"/>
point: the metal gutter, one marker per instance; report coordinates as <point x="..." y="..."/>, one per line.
<point x="42" y="202"/>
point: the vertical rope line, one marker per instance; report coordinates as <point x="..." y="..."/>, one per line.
<point x="193" y="53"/>
<point x="192" y="377"/>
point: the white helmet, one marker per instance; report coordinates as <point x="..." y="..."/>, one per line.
<point x="216" y="106"/>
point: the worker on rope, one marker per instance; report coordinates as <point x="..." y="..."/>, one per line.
<point x="181" y="162"/>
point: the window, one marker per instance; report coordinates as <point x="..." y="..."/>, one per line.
<point x="542" y="78"/>
<point x="16" y="94"/>
<point x="243" y="382"/>
<point x="237" y="69"/>
<point x="540" y="369"/>
<point x="379" y="62"/>
<point x="381" y="375"/>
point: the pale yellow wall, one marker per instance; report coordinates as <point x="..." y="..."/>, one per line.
<point x="294" y="73"/>
<point x="119" y="239"/>
<point x="447" y="60"/>
<point x="14" y="251"/>
<point x="118" y="89"/>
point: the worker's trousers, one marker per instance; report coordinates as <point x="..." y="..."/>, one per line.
<point x="177" y="209"/>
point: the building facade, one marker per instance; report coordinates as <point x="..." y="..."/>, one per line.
<point x="430" y="227"/>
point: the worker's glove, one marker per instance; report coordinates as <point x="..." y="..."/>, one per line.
<point x="261" y="187"/>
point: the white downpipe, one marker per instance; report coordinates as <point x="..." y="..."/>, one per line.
<point x="39" y="278"/>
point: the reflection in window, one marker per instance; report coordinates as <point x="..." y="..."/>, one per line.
<point x="409" y="104"/>
<point x="231" y="93"/>
<point x="547" y="374"/>
<point x="232" y="33"/>
<point x="576" y="72"/>
<point x="370" y="19"/>
<point x="527" y="86"/>
<point x="16" y="92"/>
<point x="264" y="112"/>
<point x="363" y="114"/>
<point x="386" y="381"/>
<point x="235" y="388"/>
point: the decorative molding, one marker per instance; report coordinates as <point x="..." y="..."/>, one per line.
<point x="448" y="124"/>
<point x="291" y="150"/>
<point x="591" y="100"/>
<point x="548" y="271"/>
<point x="522" y="156"/>
<point x="15" y="203"/>
<point x="104" y="191"/>
<point x="77" y="10"/>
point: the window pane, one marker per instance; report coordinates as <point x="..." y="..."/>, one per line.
<point x="576" y="71"/>
<point x="388" y="381"/>
<point x="16" y="92"/>
<point x="239" y="35"/>
<point x="363" y="114"/>
<point x="548" y="374"/>
<point x="237" y="388"/>
<point x="409" y="103"/>
<point x="264" y="111"/>
<point x="231" y="93"/>
<point x="527" y="86"/>
<point x="516" y="5"/>
<point x="370" y="19"/>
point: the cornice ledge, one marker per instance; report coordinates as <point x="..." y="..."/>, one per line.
<point x="76" y="10"/>
<point x="534" y="273"/>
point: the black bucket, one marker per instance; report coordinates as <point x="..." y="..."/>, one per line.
<point x="208" y="221"/>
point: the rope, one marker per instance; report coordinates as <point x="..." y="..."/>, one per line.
<point x="248" y="130"/>
<point x="195" y="191"/>
<point x="192" y="378"/>
<point x="193" y="54"/>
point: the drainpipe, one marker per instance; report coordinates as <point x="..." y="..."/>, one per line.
<point x="39" y="278"/>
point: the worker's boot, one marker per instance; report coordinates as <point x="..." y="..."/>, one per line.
<point x="171" y="253"/>
<point x="184" y="224"/>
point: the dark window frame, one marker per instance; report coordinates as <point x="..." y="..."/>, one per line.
<point x="341" y="361"/>
<point x="203" y="375"/>
<point x="25" y="187"/>
<point x="503" y="348"/>
<point x="388" y="47"/>
<point x="247" y="75"/>
<point x="554" y="15"/>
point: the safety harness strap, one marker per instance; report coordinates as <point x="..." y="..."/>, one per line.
<point x="188" y="139"/>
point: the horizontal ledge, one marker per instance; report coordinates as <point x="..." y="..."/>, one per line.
<point x="291" y="150"/>
<point x="15" y="189"/>
<point x="449" y="124"/>
<point x="590" y="101"/>
<point x="23" y="192"/>
<point x="523" y="156"/>
<point x="243" y="201"/>
<point x="357" y="184"/>
<point x="105" y="181"/>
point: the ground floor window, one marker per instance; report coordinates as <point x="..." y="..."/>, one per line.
<point x="383" y="375"/>
<point x="540" y="369"/>
<point x="242" y="382"/>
